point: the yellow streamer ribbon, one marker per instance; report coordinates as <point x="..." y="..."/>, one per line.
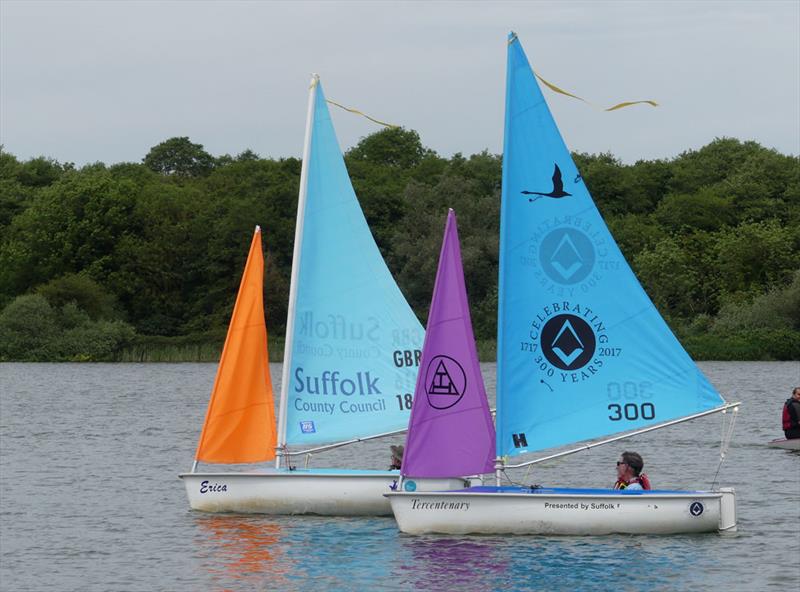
<point x="554" y="88"/>
<point x="621" y="105"/>
<point x="357" y="112"/>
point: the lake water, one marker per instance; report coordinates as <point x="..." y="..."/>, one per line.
<point x="90" y="500"/>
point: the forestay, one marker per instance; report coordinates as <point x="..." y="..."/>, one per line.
<point x="582" y="351"/>
<point x="356" y="341"/>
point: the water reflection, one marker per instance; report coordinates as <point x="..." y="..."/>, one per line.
<point x="302" y="552"/>
<point x="550" y="563"/>
<point x="438" y="563"/>
<point x="243" y="549"/>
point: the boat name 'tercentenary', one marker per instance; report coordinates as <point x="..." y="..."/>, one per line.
<point x="418" y="505"/>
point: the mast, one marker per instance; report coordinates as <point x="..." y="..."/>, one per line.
<point x="298" y="239"/>
<point x="498" y="468"/>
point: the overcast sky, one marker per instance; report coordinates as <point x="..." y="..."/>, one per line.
<point x="105" y="81"/>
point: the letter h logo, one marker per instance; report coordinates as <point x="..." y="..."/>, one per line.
<point x="519" y="440"/>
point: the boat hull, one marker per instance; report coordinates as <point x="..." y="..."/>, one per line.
<point x="516" y="510"/>
<point x="322" y="492"/>
<point x="793" y="444"/>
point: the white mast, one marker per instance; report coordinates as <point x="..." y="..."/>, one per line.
<point x="298" y="239"/>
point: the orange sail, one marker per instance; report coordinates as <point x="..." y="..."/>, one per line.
<point x="240" y="421"/>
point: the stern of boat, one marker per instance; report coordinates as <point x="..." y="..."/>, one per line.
<point x="727" y="511"/>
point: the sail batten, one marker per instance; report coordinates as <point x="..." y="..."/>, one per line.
<point x="582" y="351"/>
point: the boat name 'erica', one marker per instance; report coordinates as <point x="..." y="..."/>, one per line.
<point x="206" y="487"/>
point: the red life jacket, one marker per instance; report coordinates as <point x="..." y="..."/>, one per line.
<point x="791" y="420"/>
<point x="642" y="480"/>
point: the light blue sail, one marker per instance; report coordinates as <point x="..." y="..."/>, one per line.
<point x="582" y="351"/>
<point x="356" y="342"/>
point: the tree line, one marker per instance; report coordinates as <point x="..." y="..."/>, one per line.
<point x="99" y="258"/>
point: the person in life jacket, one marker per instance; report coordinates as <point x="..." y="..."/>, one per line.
<point x="629" y="472"/>
<point x="791" y="415"/>
<point x="397" y="458"/>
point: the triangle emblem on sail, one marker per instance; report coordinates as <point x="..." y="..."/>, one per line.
<point x="442" y="383"/>
<point x="445" y="381"/>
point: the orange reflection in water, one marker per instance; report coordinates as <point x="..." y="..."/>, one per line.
<point x="244" y="548"/>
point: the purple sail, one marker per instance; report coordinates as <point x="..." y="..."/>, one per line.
<point x="450" y="432"/>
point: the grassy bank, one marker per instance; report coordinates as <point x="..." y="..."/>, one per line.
<point x="186" y="349"/>
<point x="755" y="345"/>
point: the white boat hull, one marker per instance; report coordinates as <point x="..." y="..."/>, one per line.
<point x="323" y="492"/>
<point x="516" y="510"/>
<point x="793" y="444"/>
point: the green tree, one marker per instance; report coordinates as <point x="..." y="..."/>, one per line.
<point x="777" y="309"/>
<point x="710" y="165"/>
<point x="28" y="328"/>
<point x="179" y="157"/>
<point x="668" y="276"/>
<point x="757" y="256"/>
<point x="85" y="293"/>
<point x="703" y="210"/>
<point x="40" y="172"/>
<point x="394" y="147"/>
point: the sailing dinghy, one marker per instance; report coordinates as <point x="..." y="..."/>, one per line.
<point x="350" y="361"/>
<point x="785" y="444"/>
<point x="582" y="354"/>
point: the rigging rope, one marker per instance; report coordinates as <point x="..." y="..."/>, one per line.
<point x="725" y="441"/>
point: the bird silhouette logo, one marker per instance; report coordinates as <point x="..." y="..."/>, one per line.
<point x="556" y="193"/>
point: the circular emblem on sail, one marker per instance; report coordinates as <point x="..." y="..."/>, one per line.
<point x="445" y="382"/>
<point x="696" y="508"/>
<point x="568" y="342"/>
<point x="566" y="255"/>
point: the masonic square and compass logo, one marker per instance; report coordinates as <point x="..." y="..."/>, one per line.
<point x="566" y="255"/>
<point x="568" y="342"/>
<point x="445" y="382"/>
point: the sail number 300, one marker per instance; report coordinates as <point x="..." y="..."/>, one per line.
<point x="630" y="411"/>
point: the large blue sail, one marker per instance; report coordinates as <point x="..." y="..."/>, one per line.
<point x="356" y="342"/>
<point x="582" y="351"/>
